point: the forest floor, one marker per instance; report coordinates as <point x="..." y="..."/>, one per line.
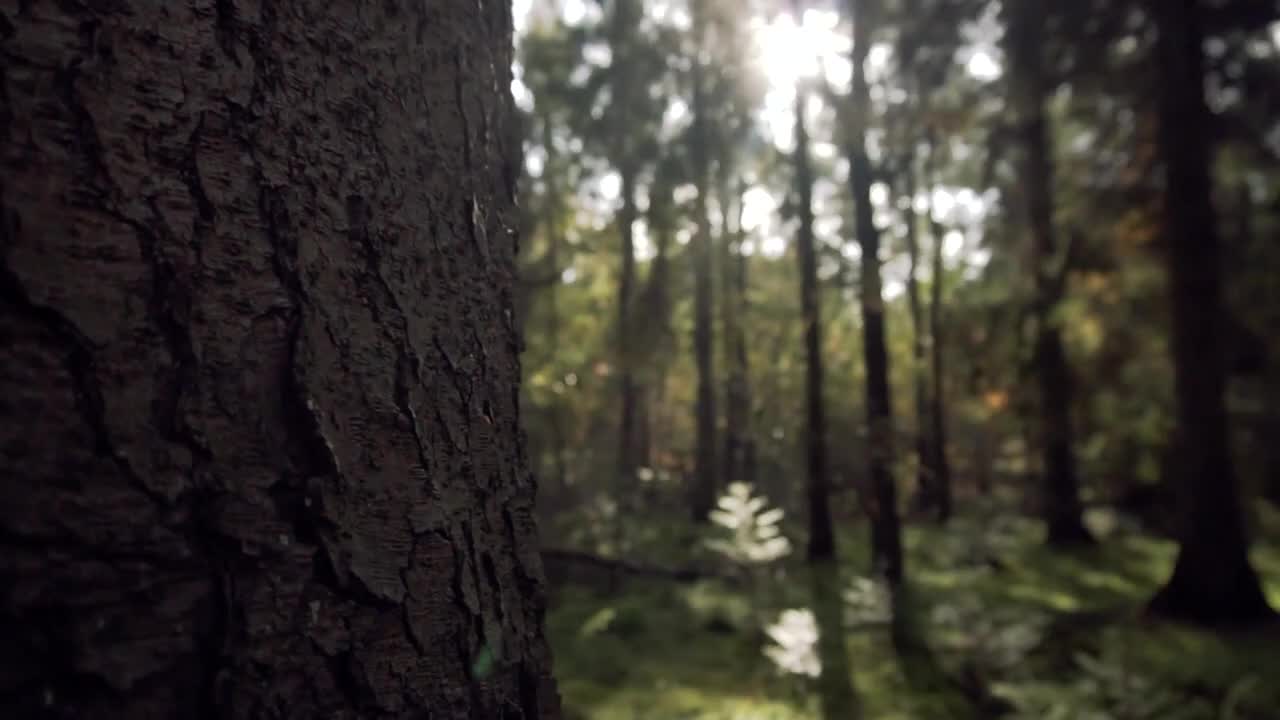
<point x="1009" y="629"/>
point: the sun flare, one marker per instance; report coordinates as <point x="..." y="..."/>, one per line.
<point x="790" y="51"/>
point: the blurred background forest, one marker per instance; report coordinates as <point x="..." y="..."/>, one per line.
<point x="905" y="358"/>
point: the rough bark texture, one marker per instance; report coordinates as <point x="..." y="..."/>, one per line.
<point x="259" y="432"/>
<point x="886" y="540"/>
<point x="822" y="545"/>
<point x="1060" y="501"/>
<point x="1212" y="580"/>
<point x="703" y="492"/>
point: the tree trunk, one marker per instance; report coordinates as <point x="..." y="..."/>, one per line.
<point x="822" y="545"/>
<point x="937" y="413"/>
<point x="741" y="360"/>
<point x="629" y="391"/>
<point x="260" y="447"/>
<point x="554" y="240"/>
<point x="1061" y="496"/>
<point x="1212" y="580"/>
<point x="732" y="302"/>
<point x="623" y="87"/>
<point x="925" y="497"/>
<point x="655" y="334"/>
<point x="742" y="367"/>
<point x="703" y="495"/>
<point x="886" y="541"/>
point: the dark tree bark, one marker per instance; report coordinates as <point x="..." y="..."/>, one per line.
<point x="1060" y="500"/>
<point x="259" y="427"/>
<point x="703" y="492"/>
<point x="886" y="540"/>
<point x="822" y="546"/>
<point x="1212" y="582"/>
<point x="937" y="411"/>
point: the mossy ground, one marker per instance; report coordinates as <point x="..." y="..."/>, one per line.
<point x="655" y="649"/>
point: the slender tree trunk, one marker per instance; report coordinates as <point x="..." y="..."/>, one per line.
<point x="1061" y="497"/>
<point x="554" y="240"/>
<point x="886" y="541"/>
<point x="656" y="332"/>
<point x="622" y="20"/>
<point x="741" y="362"/>
<point x="1212" y="580"/>
<point x="259" y="426"/>
<point x="628" y="421"/>
<point x="925" y="497"/>
<point x="704" y="482"/>
<point x="941" y="465"/>
<point x="822" y="545"/>
<point x="735" y="433"/>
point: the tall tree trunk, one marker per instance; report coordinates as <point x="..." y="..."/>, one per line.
<point x="822" y="545"/>
<point x="656" y="332"/>
<point x="937" y="413"/>
<point x="886" y="540"/>
<point x="925" y="497"/>
<point x="731" y="299"/>
<point x="259" y="426"/>
<point x="622" y="24"/>
<point x="703" y="492"/>
<point x="741" y="360"/>
<point x="1061" y="496"/>
<point x="628" y="387"/>
<point x="742" y="367"/>
<point x="554" y="240"/>
<point x="1212" y="580"/>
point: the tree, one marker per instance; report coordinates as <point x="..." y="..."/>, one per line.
<point x="919" y="376"/>
<point x="703" y="490"/>
<point x="624" y="85"/>
<point x="886" y="540"/>
<point x="937" y="411"/>
<point x="822" y="544"/>
<point x="1061" y="497"/>
<point x="259" y="430"/>
<point x="1212" y="580"/>
<point x="739" y="446"/>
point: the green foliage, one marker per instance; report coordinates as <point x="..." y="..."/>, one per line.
<point x="1047" y="633"/>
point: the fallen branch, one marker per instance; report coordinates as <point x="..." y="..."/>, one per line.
<point x="615" y="566"/>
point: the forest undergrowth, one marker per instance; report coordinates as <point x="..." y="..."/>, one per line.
<point x="1004" y="627"/>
